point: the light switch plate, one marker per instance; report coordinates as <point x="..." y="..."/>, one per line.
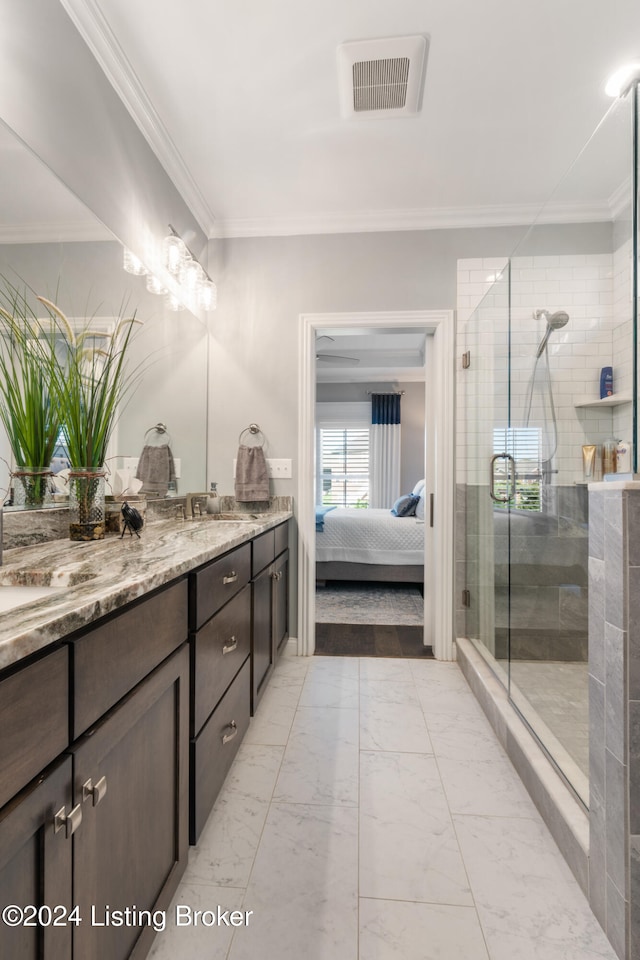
<point x="280" y="469"/>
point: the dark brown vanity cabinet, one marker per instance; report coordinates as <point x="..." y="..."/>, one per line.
<point x="36" y="865"/>
<point x="131" y="779"/>
<point x="270" y="599"/>
<point x="220" y="677"/>
<point x="106" y="821"/>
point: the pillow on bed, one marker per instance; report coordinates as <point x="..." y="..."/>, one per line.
<point x="418" y="490"/>
<point x="405" y="506"/>
<point x="420" y="508"/>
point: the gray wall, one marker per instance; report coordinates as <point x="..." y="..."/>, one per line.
<point x="265" y="284"/>
<point x="412" y="424"/>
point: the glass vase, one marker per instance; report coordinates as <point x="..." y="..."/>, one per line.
<point x="86" y="504"/>
<point x="32" y="487"/>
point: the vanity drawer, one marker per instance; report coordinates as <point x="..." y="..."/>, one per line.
<point x="220" y="648"/>
<point x="34" y="720"/>
<point x="213" y="750"/>
<point x="282" y="538"/>
<point x="112" y="658"/>
<point x="264" y="550"/>
<point x="219" y="581"/>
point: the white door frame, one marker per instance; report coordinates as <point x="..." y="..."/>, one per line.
<point x="440" y="397"/>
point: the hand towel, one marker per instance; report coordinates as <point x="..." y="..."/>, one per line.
<point x="252" y="478"/>
<point x="156" y="470"/>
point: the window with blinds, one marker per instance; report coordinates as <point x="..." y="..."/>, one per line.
<point x="343" y="460"/>
<point x="524" y="445"/>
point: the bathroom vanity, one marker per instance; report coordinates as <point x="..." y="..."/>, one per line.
<point x="124" y="696"/>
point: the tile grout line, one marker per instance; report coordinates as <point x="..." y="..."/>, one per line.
<point x="455" y="831"/>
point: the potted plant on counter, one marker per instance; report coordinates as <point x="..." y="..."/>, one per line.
<point x="28" y="410"/>
<point x="92" y="383"/>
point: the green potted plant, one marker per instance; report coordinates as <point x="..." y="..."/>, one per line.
<point x="28" y="409"/>
<point x="91" y="385"/>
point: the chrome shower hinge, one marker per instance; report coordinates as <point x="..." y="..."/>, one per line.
<point x="466" y="360"/>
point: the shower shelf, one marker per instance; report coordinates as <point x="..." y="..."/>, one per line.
<point x="616" y="400"/>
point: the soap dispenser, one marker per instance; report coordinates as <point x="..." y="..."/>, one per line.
<point x="213" y="500"/>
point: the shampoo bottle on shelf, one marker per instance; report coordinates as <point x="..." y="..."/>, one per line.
<point x="606" y="382"/>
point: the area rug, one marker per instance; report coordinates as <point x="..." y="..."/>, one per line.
<point x="400" y="605"/>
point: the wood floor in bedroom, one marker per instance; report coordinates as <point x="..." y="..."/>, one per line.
<point x="370" y="640"/>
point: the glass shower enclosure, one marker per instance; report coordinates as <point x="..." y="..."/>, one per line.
<point x="534" y="431"/>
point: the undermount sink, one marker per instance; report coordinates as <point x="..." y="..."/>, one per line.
<point x="12" y="596"/>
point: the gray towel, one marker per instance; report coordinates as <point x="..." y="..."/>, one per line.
<point x="156" y="470"/>
<point x="252" y="478"/>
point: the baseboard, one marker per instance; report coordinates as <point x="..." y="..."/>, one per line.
<point x="564" y="815"/>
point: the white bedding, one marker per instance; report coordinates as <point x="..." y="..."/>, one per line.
<point x="370" y="536"/>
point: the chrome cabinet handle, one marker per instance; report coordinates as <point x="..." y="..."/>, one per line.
<point x="230" y="577"/>
<point x="69" y="822"/>
<point x="230" y="646"/>
<point x="94" y="791"/>
<point x="233" y="728"/>
<point x="492" y="478"/>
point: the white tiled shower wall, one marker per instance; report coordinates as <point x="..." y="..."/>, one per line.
<point x="594" y="289"/>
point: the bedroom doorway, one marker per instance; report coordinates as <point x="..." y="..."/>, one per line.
<point x="369" y="562"/>
<point x="438" y="328"/>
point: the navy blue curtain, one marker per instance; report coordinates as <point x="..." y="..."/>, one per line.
<point x="384" y="468"/>
<point x="385" y="408"/>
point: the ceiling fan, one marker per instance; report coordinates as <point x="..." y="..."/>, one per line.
<point x="332" y="357"/>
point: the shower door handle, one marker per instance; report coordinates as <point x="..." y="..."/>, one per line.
<point x="496" y="497"/>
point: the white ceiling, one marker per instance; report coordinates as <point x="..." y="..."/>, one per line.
<point x="240" y="100"/>
<point x="381" y="356"/>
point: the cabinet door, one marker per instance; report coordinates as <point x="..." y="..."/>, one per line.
<point x="261" y="635"/>
<point x="35" y="865"/>
<point x="132" y="846"/>
<point x="281" y="602"/>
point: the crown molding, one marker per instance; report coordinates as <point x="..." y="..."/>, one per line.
<point x="92" y="26"/>
<point x="621" y="199"/>
<point x="54" y="232"/>
<point x="442" y="218"/>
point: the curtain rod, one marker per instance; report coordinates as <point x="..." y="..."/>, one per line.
<point x="392" y="393"/>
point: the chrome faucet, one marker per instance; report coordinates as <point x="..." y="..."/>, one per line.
<point x="194" y="509"/>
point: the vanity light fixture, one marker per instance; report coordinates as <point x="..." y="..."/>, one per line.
<point x="173" y="302"/>
<point x="133" y="264"/>
<point x="194" y="280"/>
<point x="174" y="251"/>
<point x="154" y="285"/>
<point x="620" y="82"/>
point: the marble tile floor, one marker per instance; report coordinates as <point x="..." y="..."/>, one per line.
<point x="372" y="815"/>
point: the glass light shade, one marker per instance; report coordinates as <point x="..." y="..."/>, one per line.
<point x="208" y="295"/>
<point x="154" y="285"/>
<point x="191" y="275"/>
<point x="173" y="303"/>
<point x="619" y="83"/>
<point x="174" y="252"/>
<point x="133" y="264"/>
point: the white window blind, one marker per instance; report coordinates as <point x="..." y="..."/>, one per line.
<point x="344" y="466"/>
<point x="342" y="453"/>
<point x="523" y="444"/>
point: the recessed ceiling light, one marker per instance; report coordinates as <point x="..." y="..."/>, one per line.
<point x="620" y="82"/>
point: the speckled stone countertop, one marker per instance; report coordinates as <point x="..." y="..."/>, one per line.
<point x="99" y="577"/>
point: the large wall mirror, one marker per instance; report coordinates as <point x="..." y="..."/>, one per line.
<point x="52" y="243"/>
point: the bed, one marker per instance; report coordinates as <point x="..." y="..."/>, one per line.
<point x="369" y="545"/>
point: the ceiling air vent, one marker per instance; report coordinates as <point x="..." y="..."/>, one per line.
<point x="382" y="78"/>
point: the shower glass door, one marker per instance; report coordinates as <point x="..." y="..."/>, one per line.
<point x="485" y="458"/>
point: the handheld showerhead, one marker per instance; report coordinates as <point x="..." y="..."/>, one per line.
<point x="555" y="321"/>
